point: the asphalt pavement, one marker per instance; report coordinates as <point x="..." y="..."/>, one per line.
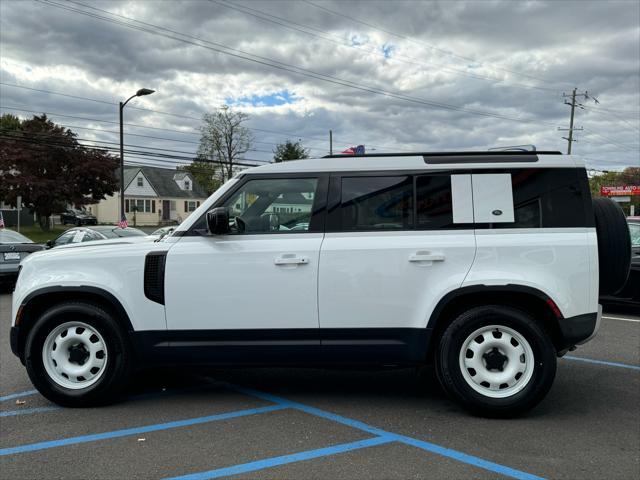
<point x="321" y="424"/>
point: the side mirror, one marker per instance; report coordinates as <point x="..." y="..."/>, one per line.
<point x="218" y="221"/>
<point x="49" y="244"/>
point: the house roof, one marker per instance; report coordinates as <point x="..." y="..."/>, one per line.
<point x="162" y="181"/>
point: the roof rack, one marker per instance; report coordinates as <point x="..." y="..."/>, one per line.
<point x="436" y="158"/>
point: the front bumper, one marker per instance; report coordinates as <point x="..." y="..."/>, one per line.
<point x="580" y="329"/>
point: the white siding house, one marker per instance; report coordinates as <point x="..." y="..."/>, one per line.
<point x="153" y="196"/>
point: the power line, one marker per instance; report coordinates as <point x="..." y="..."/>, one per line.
<point x="219" y="48"/>
<point x="287" y="23"/>
<point x="432" y="47"/>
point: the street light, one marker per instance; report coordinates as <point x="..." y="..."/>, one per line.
<point x="139" y="93"/>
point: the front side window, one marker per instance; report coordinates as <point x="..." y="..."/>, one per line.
<point x="377" y="203"/>
<point x="272" y="205"/>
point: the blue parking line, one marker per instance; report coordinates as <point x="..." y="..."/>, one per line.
<point x="430" y="447"/>
<point x="602" y="362"/>
<point x="28" y="411"/>
<point x="136" y="430"/>
<point x="18" y="395"/>
<point x="285" y="459"/>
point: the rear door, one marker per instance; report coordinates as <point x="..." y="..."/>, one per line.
<point x="391" y="251"/>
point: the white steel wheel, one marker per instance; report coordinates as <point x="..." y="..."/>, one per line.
<point x="74" y="355"/>
<point x="496" y="361"/>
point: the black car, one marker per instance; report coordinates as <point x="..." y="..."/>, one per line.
<point x="13" y="248"/>
<point x="629" y="296"/>
<point x="78" y="217"/>
<point x="87" y="234"/>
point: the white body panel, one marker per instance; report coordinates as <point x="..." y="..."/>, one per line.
<point x="385" y="279"/>
<point x="558" y="262"/>
<point x="117" y="269"/>
<point x="243" y="281"/>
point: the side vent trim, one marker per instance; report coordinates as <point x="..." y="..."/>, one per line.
<point x="154" y="264"/>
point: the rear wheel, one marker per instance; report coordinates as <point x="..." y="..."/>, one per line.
<point x="496" y="361"/>
<point x="77" y="355"/>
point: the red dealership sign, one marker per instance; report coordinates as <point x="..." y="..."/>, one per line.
<point x="620" y="191"/>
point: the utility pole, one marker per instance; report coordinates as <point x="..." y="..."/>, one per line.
<point x="571" y="128"/>
<point x="330" y="142"/>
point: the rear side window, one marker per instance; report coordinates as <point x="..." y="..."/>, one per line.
<point x="434" y="205"/>
<point x="377" y="203"/>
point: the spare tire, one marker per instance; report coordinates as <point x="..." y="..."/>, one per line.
<point x="614" y="245"/>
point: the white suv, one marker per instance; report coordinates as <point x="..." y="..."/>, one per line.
<point x="483" y="263"/>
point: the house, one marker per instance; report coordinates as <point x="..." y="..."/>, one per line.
<point x="152" y="196"/>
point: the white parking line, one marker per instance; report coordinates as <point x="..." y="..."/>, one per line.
<point x="621" y="319"/>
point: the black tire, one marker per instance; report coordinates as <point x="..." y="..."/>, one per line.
<point x="117" y="368"/>
<point x="614" y="245"/>
<point x="448" y="361"/>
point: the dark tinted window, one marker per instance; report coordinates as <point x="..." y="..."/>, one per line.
<point x="433" y="202"/>
<point x="550" y="197"/>
<point x="377" y="203"/>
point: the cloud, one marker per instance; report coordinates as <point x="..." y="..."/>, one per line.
<point x="445" y="59"/>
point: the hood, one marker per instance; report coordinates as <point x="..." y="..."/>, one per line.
<point x="113" y="247"/>
<point x="110" y="241"/>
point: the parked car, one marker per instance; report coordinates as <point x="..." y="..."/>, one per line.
<point x="486" y="264"/>
<point x="96" y="233"/>
<point x="629" y="295"/>
<point x="78" y="217"/>
<point x="13" y="248"/>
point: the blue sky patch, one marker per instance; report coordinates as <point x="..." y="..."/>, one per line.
<point x="282" y="97"/>
<point x="388" y="50"/>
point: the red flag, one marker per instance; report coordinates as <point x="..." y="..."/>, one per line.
<point x="1" y="220"/>
<point x="349" y="151"/>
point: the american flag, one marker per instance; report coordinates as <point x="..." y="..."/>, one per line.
<point x="123" y="221"/>
<point x="1" y="220"/>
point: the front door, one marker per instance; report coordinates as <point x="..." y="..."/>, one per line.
<point x="166" y="210"/>
<point x="250" y="295"/>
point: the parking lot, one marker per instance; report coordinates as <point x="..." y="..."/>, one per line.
<point x="307" y="424"/>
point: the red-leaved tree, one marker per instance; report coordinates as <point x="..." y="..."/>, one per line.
<point x="45" y="164"/>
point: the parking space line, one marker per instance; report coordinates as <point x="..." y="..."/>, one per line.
<point x="286" y="459"/>
<point x="603" y="362"/>
<point x="621" y="319"/>
<point x="28" y="411"/>
<point x="137" y="430"/>
<point x="18" y="395"/>
<point x="427" y="446"/>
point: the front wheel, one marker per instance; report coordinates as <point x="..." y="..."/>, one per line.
<point x="77" y="355"/>
<point x="496" y="361"/>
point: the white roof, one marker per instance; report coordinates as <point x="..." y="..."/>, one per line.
<point x="365" y="163"/>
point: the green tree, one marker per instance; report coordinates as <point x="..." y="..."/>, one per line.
<point x="629" y="176"/>
<point x="9" y="123"/>
<point x="205" y="174"/>
<point x="44" y="163"/>
<point x="224" y="139"/>
<point x="290" y="151"/>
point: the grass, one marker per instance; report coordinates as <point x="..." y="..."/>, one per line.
<point x="35" y="233"/>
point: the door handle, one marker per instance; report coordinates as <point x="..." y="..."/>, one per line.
<point x="426" y="257"/>
<point x="290" y="259"/>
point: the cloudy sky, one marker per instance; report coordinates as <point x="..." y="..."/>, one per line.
<point x="394" y="76"/>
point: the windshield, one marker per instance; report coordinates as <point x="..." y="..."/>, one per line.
<point x="9" y="236"/>
<point x="634" y="230"/>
